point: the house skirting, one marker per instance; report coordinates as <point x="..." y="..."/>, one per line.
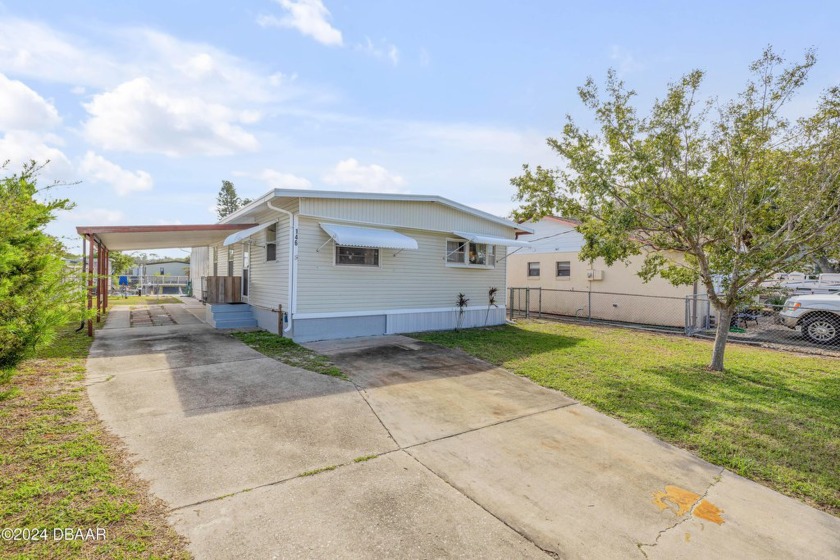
<point x="308" y="327"/>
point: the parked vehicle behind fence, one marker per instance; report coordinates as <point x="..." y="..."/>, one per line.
<point x="817" y="315"/>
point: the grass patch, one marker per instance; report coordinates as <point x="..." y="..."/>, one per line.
<point x="289" y="352"/>
<point x="141" y="300"/>
<point x="61" y="469"/>
<point x="771" y="416"/>
<point x="318" y="470"/>
<point x="364" y="458"/>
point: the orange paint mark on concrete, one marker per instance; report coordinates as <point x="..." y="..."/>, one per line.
<point x="680" y="501"/>
<point x="709" y="512"/>
<point x="679" y="497"/>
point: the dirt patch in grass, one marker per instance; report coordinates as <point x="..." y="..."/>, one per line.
<point x="289" y="352"/>
<point x="61" y="469"/>
<point x="771" y="416"/>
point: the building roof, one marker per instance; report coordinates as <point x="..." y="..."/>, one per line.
<point x="565" y="221"/>
<point x="129" y="238"/>
<point x="257" y="204"/>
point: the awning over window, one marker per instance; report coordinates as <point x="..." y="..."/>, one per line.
<point x="354" y="236"/>
<point x="246" y="233"/>
<point x="489" y="240"/>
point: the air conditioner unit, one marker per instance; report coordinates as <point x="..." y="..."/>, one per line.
<point x="594" y="274"/>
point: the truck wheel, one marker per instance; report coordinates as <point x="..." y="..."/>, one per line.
<point x="821" y="329"/>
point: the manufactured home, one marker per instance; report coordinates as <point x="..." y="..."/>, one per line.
<point x="319" y="265"/>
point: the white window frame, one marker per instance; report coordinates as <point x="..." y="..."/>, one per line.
<point x="539" y="270"/>
<point x="363" y="266"/>
<point x="490" y="252"/>
<point x="272" y="229"/>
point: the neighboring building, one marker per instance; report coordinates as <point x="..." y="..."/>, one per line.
<point x="356" y="264"/>
<point x="552" y="264"/>
<point x="173" y="267"/>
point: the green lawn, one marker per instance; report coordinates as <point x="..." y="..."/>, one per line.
<point x="289" y="352"/>
<point x="60" y="469"/>
<point x="773" y="417"/>
<point x="141" y="300"/>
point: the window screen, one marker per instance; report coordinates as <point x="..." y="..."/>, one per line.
<point x="356" y="256"/>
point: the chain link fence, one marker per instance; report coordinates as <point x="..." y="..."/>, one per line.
<point x="768" y="324"/>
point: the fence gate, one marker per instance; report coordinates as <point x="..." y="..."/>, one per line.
<point x="524" y="302"/>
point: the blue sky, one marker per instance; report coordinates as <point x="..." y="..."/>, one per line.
<point x="151" y="104"/>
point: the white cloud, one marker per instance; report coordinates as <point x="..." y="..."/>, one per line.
<point x="374" y="178"/>
<point x="279" y="180"/>
<point x="21" y="108"/>
<point x="96" y="216"/>
<point x="627" y="63"/>
<point x="36" y="50"/>
<point x="21" y="146"/>
<point x="123" y="181"/>
<point x="135" y="116"/>
<point x="387" y="50"/>
<point x="307" y="16"/>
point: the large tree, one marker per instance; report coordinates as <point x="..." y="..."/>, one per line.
<point x="736" y="187"/>
<point x="228" y="201"/>
<point x="37" y="291"/>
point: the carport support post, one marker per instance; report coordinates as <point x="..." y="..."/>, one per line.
<point x="90" y="285"/>
<point x="98" y="281"/>
<point x="107" y="281"/>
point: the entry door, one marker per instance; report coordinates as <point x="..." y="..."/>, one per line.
<point x="246" y="268"/>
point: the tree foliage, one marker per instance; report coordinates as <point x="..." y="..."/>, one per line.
<point x="120" y="262"/>
<point x="738" y="189"/>
<point x="228" y="201"/>
<point x="37" y="292"/>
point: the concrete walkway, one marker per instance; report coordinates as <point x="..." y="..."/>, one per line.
<point x="427" y="453"/>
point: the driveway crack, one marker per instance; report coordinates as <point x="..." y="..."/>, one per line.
<point x="687" y="516"/>
<point x="546" y="551"/>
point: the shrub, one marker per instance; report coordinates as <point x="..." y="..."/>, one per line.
<point x="36" y="293"/>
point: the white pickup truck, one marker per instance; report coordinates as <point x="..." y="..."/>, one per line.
<point x="818" y="315"/>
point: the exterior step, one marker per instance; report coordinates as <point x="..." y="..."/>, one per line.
<point x="235" y="324"/>
<point x="230" y="316"/>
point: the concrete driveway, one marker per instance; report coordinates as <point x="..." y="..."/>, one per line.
<point x="427" y="453"/>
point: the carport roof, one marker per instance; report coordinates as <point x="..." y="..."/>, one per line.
<point x="129" y="238"/>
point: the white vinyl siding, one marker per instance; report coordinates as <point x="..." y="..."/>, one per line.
<point x="428" y="216"/>
<point x="270" y="279"/>
<point x="413" y="279"/>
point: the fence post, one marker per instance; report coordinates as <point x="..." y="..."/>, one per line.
<point x="510" y="303"/>
<point x="527" y="303"/>
<point x="539" y="305"/>
<point x="589" y="306"/>
<point x="687" y="316"/>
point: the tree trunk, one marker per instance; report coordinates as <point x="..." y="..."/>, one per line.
<point x="725" y="315"/>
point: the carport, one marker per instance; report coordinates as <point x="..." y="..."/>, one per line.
<point x="99" y="241"/>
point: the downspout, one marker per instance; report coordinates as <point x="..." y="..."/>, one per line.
<point x="292" y="261"/>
